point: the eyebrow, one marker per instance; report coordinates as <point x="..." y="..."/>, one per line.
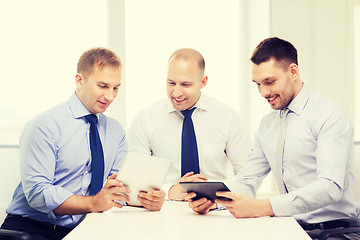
<point x="108" y="84"/>
<point x="264" y="80"/>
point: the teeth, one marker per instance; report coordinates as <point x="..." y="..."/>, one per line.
<point x="271" y="99"/>
<point x="179" y="100"/>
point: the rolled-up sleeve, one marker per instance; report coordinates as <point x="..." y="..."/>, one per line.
<point x="37" y="165"/>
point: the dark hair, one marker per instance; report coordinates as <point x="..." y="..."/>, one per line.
<point x="279" y="49"/>
<point x="97" y="57"/>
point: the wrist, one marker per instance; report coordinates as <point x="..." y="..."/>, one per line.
<point x="92" y="204"/>
<point x="265" y="208"/>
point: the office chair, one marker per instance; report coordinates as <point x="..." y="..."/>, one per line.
<point x="13" y="235"/>
<point x="351" y="225"/>
<point x="10" y="176"/>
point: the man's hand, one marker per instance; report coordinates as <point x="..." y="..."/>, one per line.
<point x="244" y="206"/>
<point x="201" y="206"/>
<point x="112" y="190"/>
<point x="178" y="193"/>
<point x="152" y="200"/>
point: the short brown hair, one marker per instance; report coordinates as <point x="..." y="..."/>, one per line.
<point x="279" y="49"/>
<point x="97" y="57"/>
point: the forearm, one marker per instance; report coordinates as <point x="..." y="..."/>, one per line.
<point x="75" y="205"/>
<point x="308" y="198"/>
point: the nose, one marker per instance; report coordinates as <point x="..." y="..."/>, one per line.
<point x="264" y="91"/>
<point x="177" y="92"/>
<point x="110" y="95"/>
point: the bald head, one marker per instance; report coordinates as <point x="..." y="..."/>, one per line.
<point x="187" y="54"/>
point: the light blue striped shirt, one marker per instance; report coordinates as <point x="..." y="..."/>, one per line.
<point x="317" y="163"/>
<point x="55" y="160"/>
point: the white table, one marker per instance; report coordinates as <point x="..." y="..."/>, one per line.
<point x="177" y="221"/>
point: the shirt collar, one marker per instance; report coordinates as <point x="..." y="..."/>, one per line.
<point x="202" y="103"/>
<point x="298" y="104"/>
<point x="77" y="108"/>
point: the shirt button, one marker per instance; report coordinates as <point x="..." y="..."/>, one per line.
<point x="83" y="193"/>
<point x="86" y="172"/>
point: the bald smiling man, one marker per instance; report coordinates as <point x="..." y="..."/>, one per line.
<point x="210" y="143"/>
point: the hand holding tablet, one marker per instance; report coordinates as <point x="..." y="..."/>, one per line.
<point x="206" y="189"/>
<point x="142" y="173"/>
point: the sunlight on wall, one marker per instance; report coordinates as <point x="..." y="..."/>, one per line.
<point x="357" y="71"/>
<point x="152" y="36"/>
<point x="40" y="45"/>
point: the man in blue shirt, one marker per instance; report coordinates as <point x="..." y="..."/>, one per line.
<point x="55" y="156"/>
<point x="313" y="162"/>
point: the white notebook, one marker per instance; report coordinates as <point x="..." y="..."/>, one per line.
<point x="143" y="173"/>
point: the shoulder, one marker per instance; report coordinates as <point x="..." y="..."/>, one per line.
<point x="216" y="106"/>
<point x="52" y="117"/>
<point x="321" y="107"/>
<point x="48" y="123"/>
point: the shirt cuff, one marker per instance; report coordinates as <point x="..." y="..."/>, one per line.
<point x="54" y="197"/>
<point x="281" y="205"/>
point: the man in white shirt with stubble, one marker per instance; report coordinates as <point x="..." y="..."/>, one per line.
<point x="313" y="162"/>
<point x="222" y="141"/>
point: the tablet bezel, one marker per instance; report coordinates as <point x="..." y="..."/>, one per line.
<point x="206" y="189"/>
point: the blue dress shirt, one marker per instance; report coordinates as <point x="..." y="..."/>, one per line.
<point x="55" y="160"/>
<point x="317" y="162"/>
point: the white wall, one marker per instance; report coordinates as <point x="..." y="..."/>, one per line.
<point x="41" y="42"/>
<point x="322" y="32"/>
<point x="155" y="29"/>
<point x="357" y="68"/>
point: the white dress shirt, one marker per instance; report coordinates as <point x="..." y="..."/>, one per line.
<point x="317" y="163"/>
<point x="223" y="141"/>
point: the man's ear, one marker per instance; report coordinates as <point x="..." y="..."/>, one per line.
<point x="294" y="70"/>
<point x="79" y="80"/>
<point x="204" y="81"/>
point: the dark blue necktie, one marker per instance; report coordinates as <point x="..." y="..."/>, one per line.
<point x="189" y="150"/>
<point x="97" y="156"/>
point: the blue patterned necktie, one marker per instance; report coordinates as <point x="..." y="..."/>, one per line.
<point x="189" y="150"/>
<point x="97" y="156"/>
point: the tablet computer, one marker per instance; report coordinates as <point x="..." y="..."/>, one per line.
<point x="206" y="189"/>
<point x="142" y="173"/>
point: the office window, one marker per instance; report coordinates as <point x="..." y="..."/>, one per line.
<point x="357" y="70"/>
<point x="40" y="44"/>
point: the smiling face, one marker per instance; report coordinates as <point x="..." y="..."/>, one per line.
<point x="277" y="83"/>
<point x="99" y="88"/>
<point x="184" y="82"/>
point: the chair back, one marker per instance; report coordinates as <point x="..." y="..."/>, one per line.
<point x="10" y="176"/>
